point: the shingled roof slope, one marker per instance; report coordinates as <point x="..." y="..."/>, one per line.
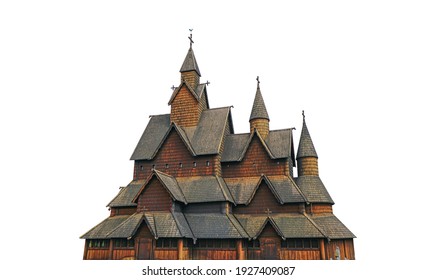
<point x="126" y="195"/>
<point x="313" y="189"/>
<point x="104" y="228"/>
<point x="333" y="227"/>
<point x="286" y="189"/>
<point x="203" y="189"/>
<point x="242" y="188"/>
<point x="152" y="137"/>
<point x="280" y="142"/>
<point x="214" y="226"/>
<point x="210" y="131"/>
<point x="296" y="226"/>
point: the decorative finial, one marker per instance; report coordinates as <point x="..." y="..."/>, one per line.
<point x="303" y="114"/>
<point x="191" y="37"/>
<point x="173" y="87"/>
<point x="257" y="79"/>
<point x="207" y="82"/>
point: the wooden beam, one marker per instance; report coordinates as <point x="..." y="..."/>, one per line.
<point x="85" y="251"/>
<point x="322" y="249"/>
<point x="180" y="249"/>
<point x="240" y="252"/>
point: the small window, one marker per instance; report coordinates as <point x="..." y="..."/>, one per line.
<point x="153" y="166"/>
<point x="98" y="243"/>
<point x="180" y="164"/>
<point x="194" y="164"/>
<point x="207" y="163"/>
<point x="166" y="165"/>
<point x="141" y="167"/>
<point x="254" y="244"/>
<point x="166" y="243"/>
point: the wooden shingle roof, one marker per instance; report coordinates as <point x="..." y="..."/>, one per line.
<point x="332" y="226"/>
<point x="306" y="146"/>
<point x="259" y="110"/>
<point x="213" y="225"/>
<point x="313" y="189"/>
<point x="126" y="195"/>
<point x="190" y="63"/>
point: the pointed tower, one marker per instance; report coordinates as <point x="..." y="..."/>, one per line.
<point x="190" y="72"/>
<point x="307" y="159"/>
<point x="189" y="99"/>
<point x="259" y="118"/>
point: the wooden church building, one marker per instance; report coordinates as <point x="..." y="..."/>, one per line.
<point x="201" y="191"/>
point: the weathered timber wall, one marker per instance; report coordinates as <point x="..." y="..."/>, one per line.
<point x="123" y="254"/>
<point x="123" y="211"/>
<point x="307" y="166"/>
<point x="255" y="163"/>
<point x="318" y="208"/>
<point x="289" y="254"/>
<point x="165" y="254"/>
<point x="97" y="254"/>
<point x="154" y="197"/>
<point x="261" y="125"/>
<point x="346" y="247"/>
<point x="214" y="254"/>
<point x="185" y="109"/>
<point x="172" y="154"/>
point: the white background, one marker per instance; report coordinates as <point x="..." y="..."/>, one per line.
<point x="78" y="80"/>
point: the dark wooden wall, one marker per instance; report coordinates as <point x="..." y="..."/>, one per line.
<point x="255" y="163"/>
<point x="173" y="152"/>
<point x="154" y="197"/>
<point x="123" y="211"/>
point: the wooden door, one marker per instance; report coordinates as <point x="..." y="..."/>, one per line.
<point x="144" y="248"/>
<point x="269" y="249"/>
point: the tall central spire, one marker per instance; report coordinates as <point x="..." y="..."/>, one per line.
<point x="190" y="72"/>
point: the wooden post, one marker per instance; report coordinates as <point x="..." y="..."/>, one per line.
<point x="111" y="248"/>
<point x="85" y="253"/>
<point x="322" y="249"/>
<point x="240" y="251"/>
<point x="180" y="249"/>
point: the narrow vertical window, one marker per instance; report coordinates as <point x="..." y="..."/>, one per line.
<point x="207" y="163"/>
<point x="194" y="164"/>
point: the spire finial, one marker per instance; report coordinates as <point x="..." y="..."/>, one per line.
<point x="257" y="79"/>
<point x="191" y="37"/>
<point x="303" y="114"/>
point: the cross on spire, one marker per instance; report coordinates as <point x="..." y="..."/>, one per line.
<point x="303" y="114"/>
<point x="191" y="38"/>
<point x="257" y="79"/>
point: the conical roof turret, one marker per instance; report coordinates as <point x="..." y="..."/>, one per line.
<point x="259" y="110"/>
<point x="306" y="146"/>
<point x="190" y="63"/>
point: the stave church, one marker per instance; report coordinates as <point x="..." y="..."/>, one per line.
<point x="202" y="192"/>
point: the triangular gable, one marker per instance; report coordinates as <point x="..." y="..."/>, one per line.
<point x="172" y="188"/>
<point x="273" y="224"/>
<point x="190" y="89"/>
<point x="269" y="185"/>
<point x="129" y="227"/>
<point x="252" y="136"/>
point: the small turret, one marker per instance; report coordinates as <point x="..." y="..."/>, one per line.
<point x="307" y="159"/>
<point x="190" y="72"/>
<point x="259" y="118"/>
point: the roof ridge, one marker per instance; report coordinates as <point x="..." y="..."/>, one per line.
<point x="316" y="226"/>
<point x="225" y="196"/>
<point x="239" y="224"/>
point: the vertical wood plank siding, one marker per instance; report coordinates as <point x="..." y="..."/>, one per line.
<point x="173" y="152"/>
<point x="255" y="163"/>
<point x="154" y="198"/>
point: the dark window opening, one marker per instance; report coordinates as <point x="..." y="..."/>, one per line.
<point x="166" y="243"/>
<point x="216" y="243"/>
<point x="98" y="243"/>
<point x="207" y="163"/>
<point x="166" y="165"/>
<point x="253" y="244"/>
<point x="194" y="164"/>
<point x="300" y="243"/>
<point x="180" y="164"/>
<point x="124" y="243"/>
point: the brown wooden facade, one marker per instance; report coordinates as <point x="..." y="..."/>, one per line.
<point x="200" y="191"/>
